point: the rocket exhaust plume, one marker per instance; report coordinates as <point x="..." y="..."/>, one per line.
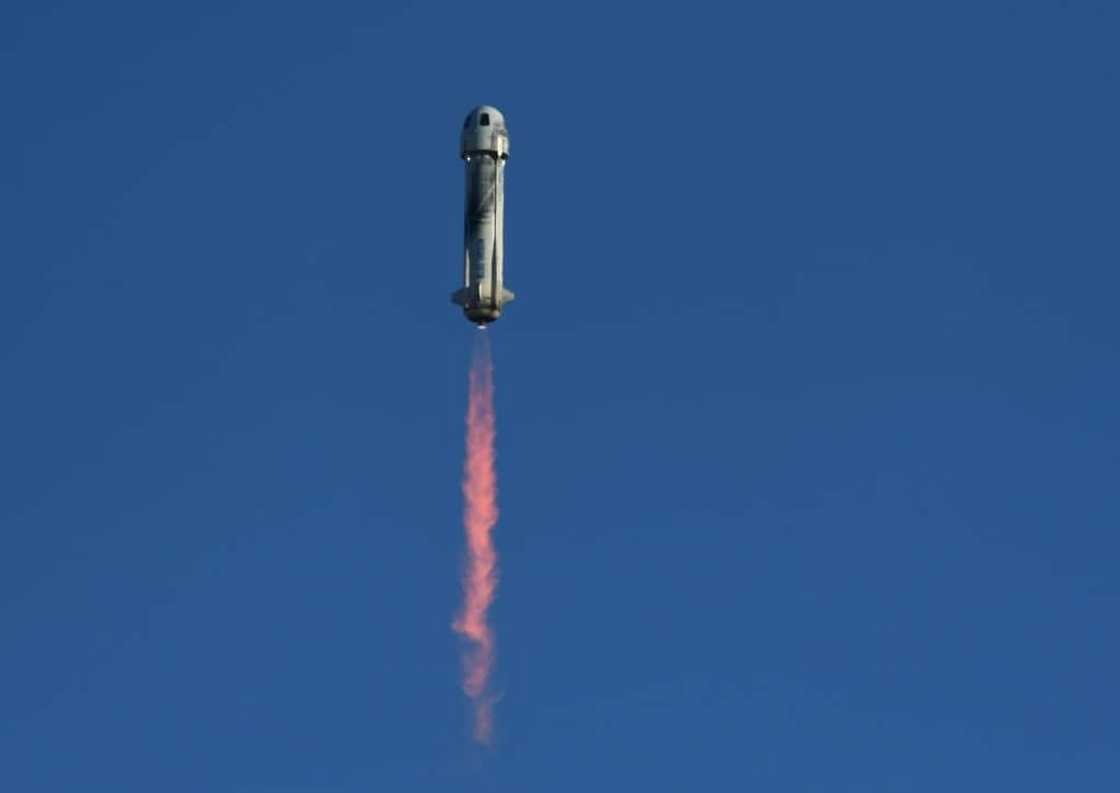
<point x="480" y="513"/>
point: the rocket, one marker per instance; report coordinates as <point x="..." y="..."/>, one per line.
<point x="484" y="145"/>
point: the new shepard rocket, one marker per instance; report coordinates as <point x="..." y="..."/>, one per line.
<point x="484" y="144"/>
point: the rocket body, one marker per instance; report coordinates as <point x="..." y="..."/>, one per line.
<point x="484" y="145"/>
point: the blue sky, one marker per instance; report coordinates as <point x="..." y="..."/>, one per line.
<point x="807" y="405"/>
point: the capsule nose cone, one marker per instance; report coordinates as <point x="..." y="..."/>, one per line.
<point x="493" y="116"/>
<point x="484" y="131"/>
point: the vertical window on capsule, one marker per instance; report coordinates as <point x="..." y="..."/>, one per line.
<point x="484" y="120"/>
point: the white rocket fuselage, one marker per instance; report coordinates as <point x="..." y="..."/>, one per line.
<point x="484" y="145"/>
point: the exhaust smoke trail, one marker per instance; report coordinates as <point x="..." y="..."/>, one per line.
<point x="480" y="513"/>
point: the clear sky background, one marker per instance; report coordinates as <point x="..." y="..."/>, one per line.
<point x="808" y="405"/>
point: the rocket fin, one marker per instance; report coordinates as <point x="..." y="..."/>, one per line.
<point x="507" y="296"/>
<point x="462" y="296"/>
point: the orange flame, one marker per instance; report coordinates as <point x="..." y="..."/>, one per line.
<point x="480" y="513"/>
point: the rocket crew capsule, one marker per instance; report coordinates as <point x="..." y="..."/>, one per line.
<point x="484" y="144"/>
